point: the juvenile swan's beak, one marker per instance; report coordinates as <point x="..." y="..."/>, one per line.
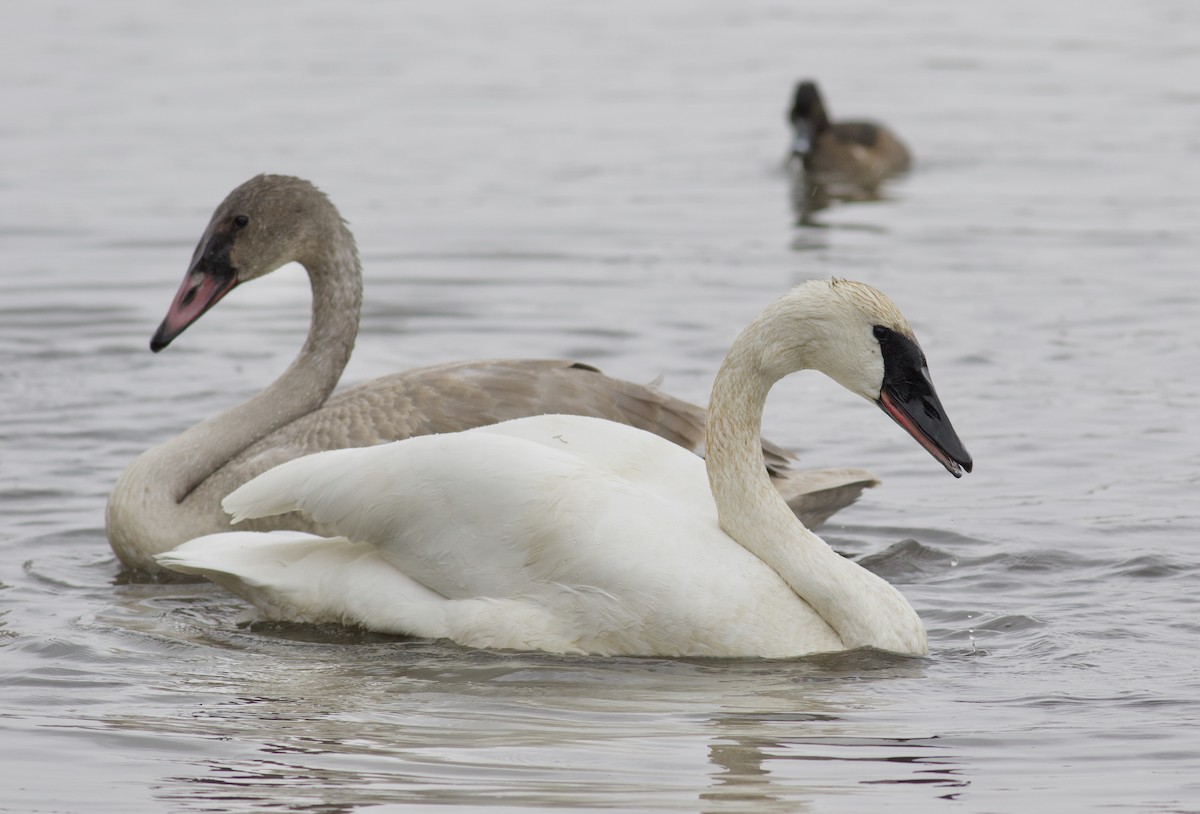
<point x="908" y="397"/>
<point x="209" y="278"/>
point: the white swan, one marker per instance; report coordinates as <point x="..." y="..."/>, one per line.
<point x="579" y="535"/>
<point x="172" y="492"/>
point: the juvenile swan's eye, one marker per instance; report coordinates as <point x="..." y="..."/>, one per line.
<point x="880" y="332"/>
<point x="240" y="221"/>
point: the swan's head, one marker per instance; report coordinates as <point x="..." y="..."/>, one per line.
<point x="855" y="335"/>
<point x="265" y="223"/>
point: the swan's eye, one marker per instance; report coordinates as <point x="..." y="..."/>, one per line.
<point x="880" y="332"/>
<point x="240" y="221"/>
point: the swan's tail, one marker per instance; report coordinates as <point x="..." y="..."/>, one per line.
<point x="816" y="494"/>
<point x="252" y="558"/>
<point x="298" y="577"/>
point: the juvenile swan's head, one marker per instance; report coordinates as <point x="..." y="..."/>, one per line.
<point x="265" y="223"/>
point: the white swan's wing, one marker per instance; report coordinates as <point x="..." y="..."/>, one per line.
<point x="479" y="513"/>
<point x="646" y="461"/>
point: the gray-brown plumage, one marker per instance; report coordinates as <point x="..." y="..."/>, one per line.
<point x="172" y="492"/>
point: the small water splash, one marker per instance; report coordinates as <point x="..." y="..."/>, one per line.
<point x="908" y="560"/>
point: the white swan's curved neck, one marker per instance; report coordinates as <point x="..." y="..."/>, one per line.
<point x="864" y="609"/>
<point x="749" y="507"/>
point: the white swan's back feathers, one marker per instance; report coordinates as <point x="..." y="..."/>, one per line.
<point x="436" y="518"/>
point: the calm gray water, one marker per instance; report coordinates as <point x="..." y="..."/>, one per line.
<point x="602" y="181"/>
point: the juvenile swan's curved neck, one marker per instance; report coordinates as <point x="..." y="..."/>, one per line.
<point x="336" y="278"/>
<point x="864" y="609"/>
<point x="151" y="506"/>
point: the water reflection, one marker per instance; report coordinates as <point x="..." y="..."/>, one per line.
<point x="743" y="768"/>
<point x="305" y="718"/>
<point x="811" y="193"/>
<point x="787" y="774"/>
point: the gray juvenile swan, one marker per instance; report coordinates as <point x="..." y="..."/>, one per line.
<point x="172" y="492"/>
<point x="579" y="535"/>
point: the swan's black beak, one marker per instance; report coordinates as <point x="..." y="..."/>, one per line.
<point x="908" y="397"/>
<point x="209" y="278"/>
